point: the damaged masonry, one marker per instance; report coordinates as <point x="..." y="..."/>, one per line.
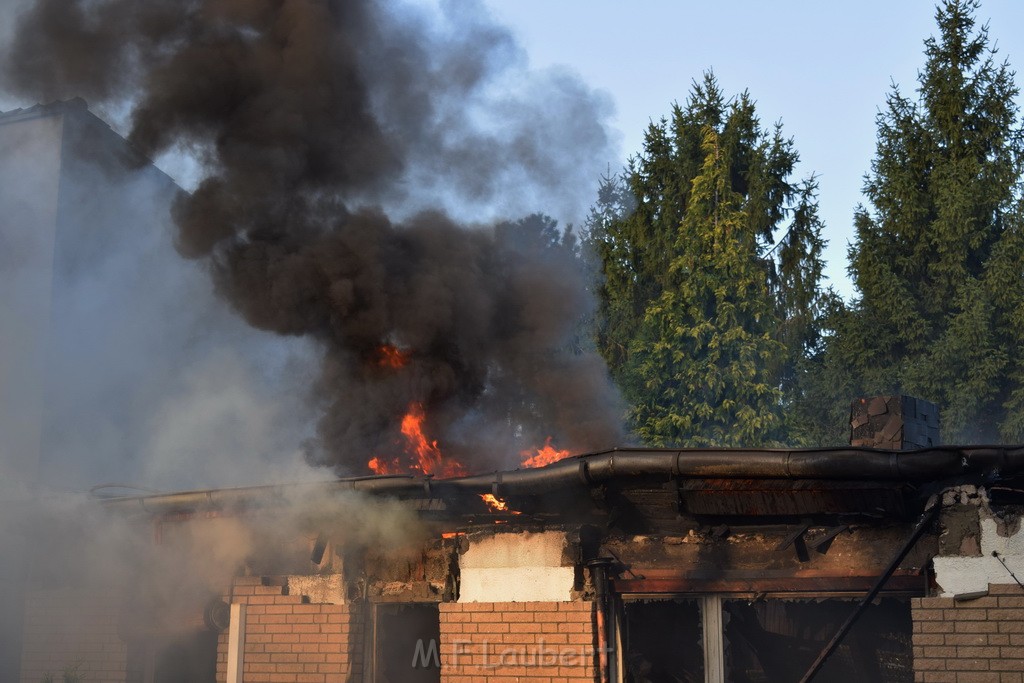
<point x="625" y="565"/>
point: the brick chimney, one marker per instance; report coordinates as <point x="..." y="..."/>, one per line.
<point x="894" y="423"/>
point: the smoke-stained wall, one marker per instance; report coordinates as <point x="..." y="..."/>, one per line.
<point x="29" y="173"/>
<point x="152" y="378"/>
<point x="119" y="362"/>
<point x="30" y="158"/>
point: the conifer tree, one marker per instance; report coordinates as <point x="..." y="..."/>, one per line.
<point x="710" y="258"/>
<point x="702" y="355"/>
<point x="938" y="254"/>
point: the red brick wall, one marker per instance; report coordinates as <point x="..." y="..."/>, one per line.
<point x="517" y="641"/>
<point x="72" y="628"/>
<point x="288" y="640"/>
<point x="973" y="641"/>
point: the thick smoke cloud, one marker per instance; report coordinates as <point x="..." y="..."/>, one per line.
<point x="93" y="569"/>
<point x="326" y="130"/>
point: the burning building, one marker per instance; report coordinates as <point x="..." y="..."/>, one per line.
<point x="418" y="565"/>
<point x="846" y="564"/>
<point x="482" y="523"/>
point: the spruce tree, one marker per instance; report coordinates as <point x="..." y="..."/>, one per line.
<point x="937" y="258"/>
<point x="702" y="354"/>
<point x="710" y="263"/>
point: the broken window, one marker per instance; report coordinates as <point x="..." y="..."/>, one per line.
<point x="663" y="641"/>
<point x="778" y="640"/>
<point x="407" y="641"/>
<point x="716" y="638"/>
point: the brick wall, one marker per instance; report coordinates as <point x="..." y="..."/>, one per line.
<point x="973" y="641"/>
<point x="289" y="640"/>
<point x="73" y="630"/>
<point x="517" y="641"/>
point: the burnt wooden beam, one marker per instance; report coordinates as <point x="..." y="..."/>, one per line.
<point x="911" y="584"/>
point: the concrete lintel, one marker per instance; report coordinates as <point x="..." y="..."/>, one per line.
<point x="516" y="567"/>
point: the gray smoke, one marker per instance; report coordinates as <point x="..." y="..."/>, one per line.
<point x="153" y="578"/>
<point x="337" y="138"/>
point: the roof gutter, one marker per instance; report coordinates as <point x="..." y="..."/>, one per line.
<point x="587" y="471"/>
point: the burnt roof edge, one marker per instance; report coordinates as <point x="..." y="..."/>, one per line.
<point x="978" y="463"/>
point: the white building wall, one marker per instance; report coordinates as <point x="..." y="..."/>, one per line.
<point x="516" y="567"/>
<point x="957" y="575"/>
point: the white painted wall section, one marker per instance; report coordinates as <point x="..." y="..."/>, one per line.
<point x="326" y="589"/>
<point x="957" y="575"/>
<point x="516" y="567"/>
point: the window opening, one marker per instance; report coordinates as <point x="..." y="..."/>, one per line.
<point x="407" y="643"/>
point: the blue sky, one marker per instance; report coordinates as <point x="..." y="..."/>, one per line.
<point x="821" y="68"/>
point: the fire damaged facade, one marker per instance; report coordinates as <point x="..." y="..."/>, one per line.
<point x="895" y="559"/>
<point x="357" y="283"/>
<point x="843" y="564"/>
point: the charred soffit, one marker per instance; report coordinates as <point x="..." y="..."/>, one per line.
<point x="653" y="489"/>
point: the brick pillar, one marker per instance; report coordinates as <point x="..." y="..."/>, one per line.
<point x="289" y="640"/>
<point x="895" y="423"/>
<point x="527" y="640"/>
<point x="970" y="641"/>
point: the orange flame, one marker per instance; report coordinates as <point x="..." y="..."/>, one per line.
<point x="422" y="453"/>
<point x="493" y="502"/>
<point x="391" y="357"/>
<point x="382" y="466"/>
<point x="544" y="456"/>
<point x="426" y="453"/>
<point x="497" y="504"/>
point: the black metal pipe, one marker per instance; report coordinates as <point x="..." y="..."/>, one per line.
<point x="602" y="616"/>
<point x="586" y="471"/>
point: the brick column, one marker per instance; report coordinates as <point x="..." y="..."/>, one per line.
<point x="289" y="640"/>
<point x="972" y="641"/>
<point x="525" y="640"/>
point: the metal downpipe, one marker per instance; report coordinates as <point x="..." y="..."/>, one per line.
<point x="603" y="619"/>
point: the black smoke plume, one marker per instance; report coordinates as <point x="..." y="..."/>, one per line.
<point x="327" y="130"/>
